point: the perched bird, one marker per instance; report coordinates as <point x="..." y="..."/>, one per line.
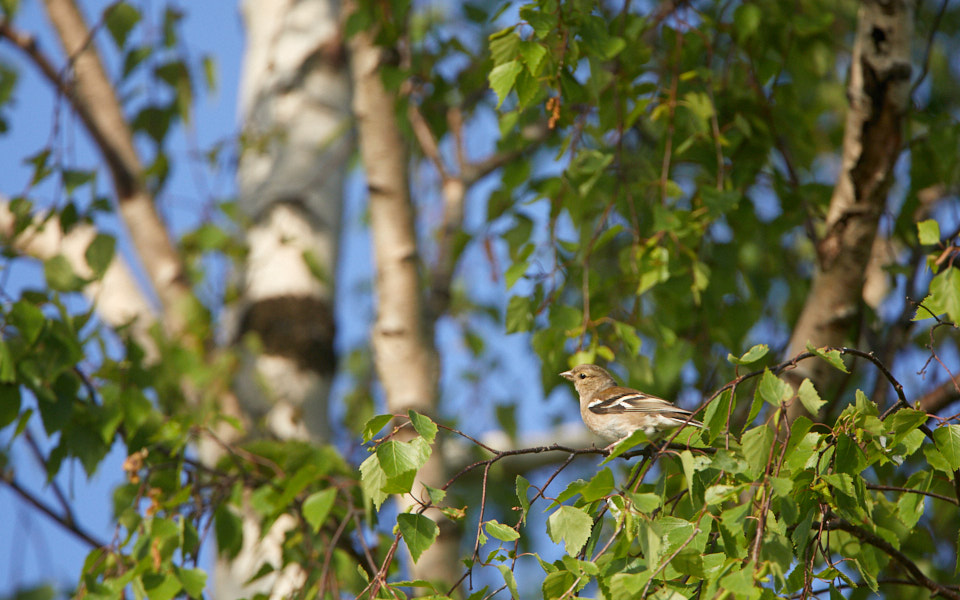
<point x="614" y="412"/>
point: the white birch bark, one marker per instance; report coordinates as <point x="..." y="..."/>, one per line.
<point x="295" y="103"/>
<point x="295" y="106"/>
<point x="117" y="295"/>
<point x="404" y="351"/>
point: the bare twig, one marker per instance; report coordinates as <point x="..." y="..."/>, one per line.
<point x="66" y="521"/>
<point x="911" y="567"/>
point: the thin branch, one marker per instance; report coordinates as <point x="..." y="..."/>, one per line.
<point x="94" y="99"/>
<point x="894" y="488"/>
<point x="865" y="536"/>
<point x="929" y="47"/>
<point x="66" y="521"/>
<point x="28" y="45"/>
<point x="472" y="171"/>
<point x="939" y="398"/>
<point x="68" y="515"/>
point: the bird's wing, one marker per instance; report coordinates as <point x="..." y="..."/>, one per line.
<point x="617" y="400"/>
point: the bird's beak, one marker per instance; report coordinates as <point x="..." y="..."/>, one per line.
<point x="567" y="375"/>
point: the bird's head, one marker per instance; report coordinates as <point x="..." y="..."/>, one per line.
<point x="587" y="378"/>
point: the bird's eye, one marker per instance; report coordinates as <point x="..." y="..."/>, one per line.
<point x="583" y="375"/>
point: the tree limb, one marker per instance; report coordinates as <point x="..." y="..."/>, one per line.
<point x="94" y="99"/>
<point x="939" y="398"/>
<point x="117" y="295"/>
<point x="879" y="92"/>
<point x="870" y="538"/>
<point x="402" y="339"/>
<point x="63" y="520"/>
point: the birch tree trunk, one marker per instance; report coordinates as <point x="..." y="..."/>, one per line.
<point x="404" y="351"/>
<point x="879" y="92"/>
<point x="295" y="105"/>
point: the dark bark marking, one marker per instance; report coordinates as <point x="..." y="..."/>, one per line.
<point x="300" y="328"/>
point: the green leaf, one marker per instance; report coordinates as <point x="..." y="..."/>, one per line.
<point x="99" y="254"/>
<point x="599" y="486"/>
<point x="629" y="585"/>
<point x="756" y="448"/>
<point x="944" y="296"/>
<point x="936" y="460"/>
<point x="9" y="405"/>
<point x="73" y="178"/>
<point x="192" y="580"/>
<point x="720" y="493"/>
<point x="399" y="457"/>
<point x="515" y="272"/>
<point x="8" y="373"/>
<point x="60" y="275"/>
<point x="10" y="8"/>
<point x="910" y="505"/>
<point x="739" y="582"/>
<point x="210" y="72"/>
<point x="542" y="22"/>
<point x="28" y="319"/>
<point x="120" y="19"/>
<point x="947" y="440"/>
<point x="134" y="57"/>
<point x="929" y="232"/>
<point x="750" y="356"/>
<point x="691" y="465"/>
<point x="902" y="422"/>
<point x="161" y="586"/>
<point x="41" y="167"/>
<point x="510" y="580"/>
<point x="842" y="483"/>
<point x="809" y="397"/>
<point x="719" y="202"/>
<point x="628" y="443"/>
<point x="317" y="506"/>
<point x="504" y="45"/>
<point x="715" y="416"/>
<point x="533" y="54"/>
<point x="228" y="528"/>
<point x="418" y="532"/>
<point x="502" y="532"/>
<point x="774" y="390"/>
<point x="436" y="495"/>
<point x="374" y="425"/>
<point x="558" y="582"/>
<point x="502" y="78"/>
<point x="654" y="266"/>
<point x="746" y="20"/>
<point x="519" y="315"/>
<point x="628" y="335"/>
<point x="372" y="480"/>
<point x="571" y="525"/>
<point x="645" y="502"/>
<point x="522" y="486"/>
<point x="831" y="356"/>
<point x="424" y="426"/>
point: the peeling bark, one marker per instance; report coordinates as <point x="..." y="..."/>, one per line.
<point x="879" y="92"/>
<point x="403" y="345"/>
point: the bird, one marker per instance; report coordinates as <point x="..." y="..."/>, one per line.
<point x="614" y="412"/>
